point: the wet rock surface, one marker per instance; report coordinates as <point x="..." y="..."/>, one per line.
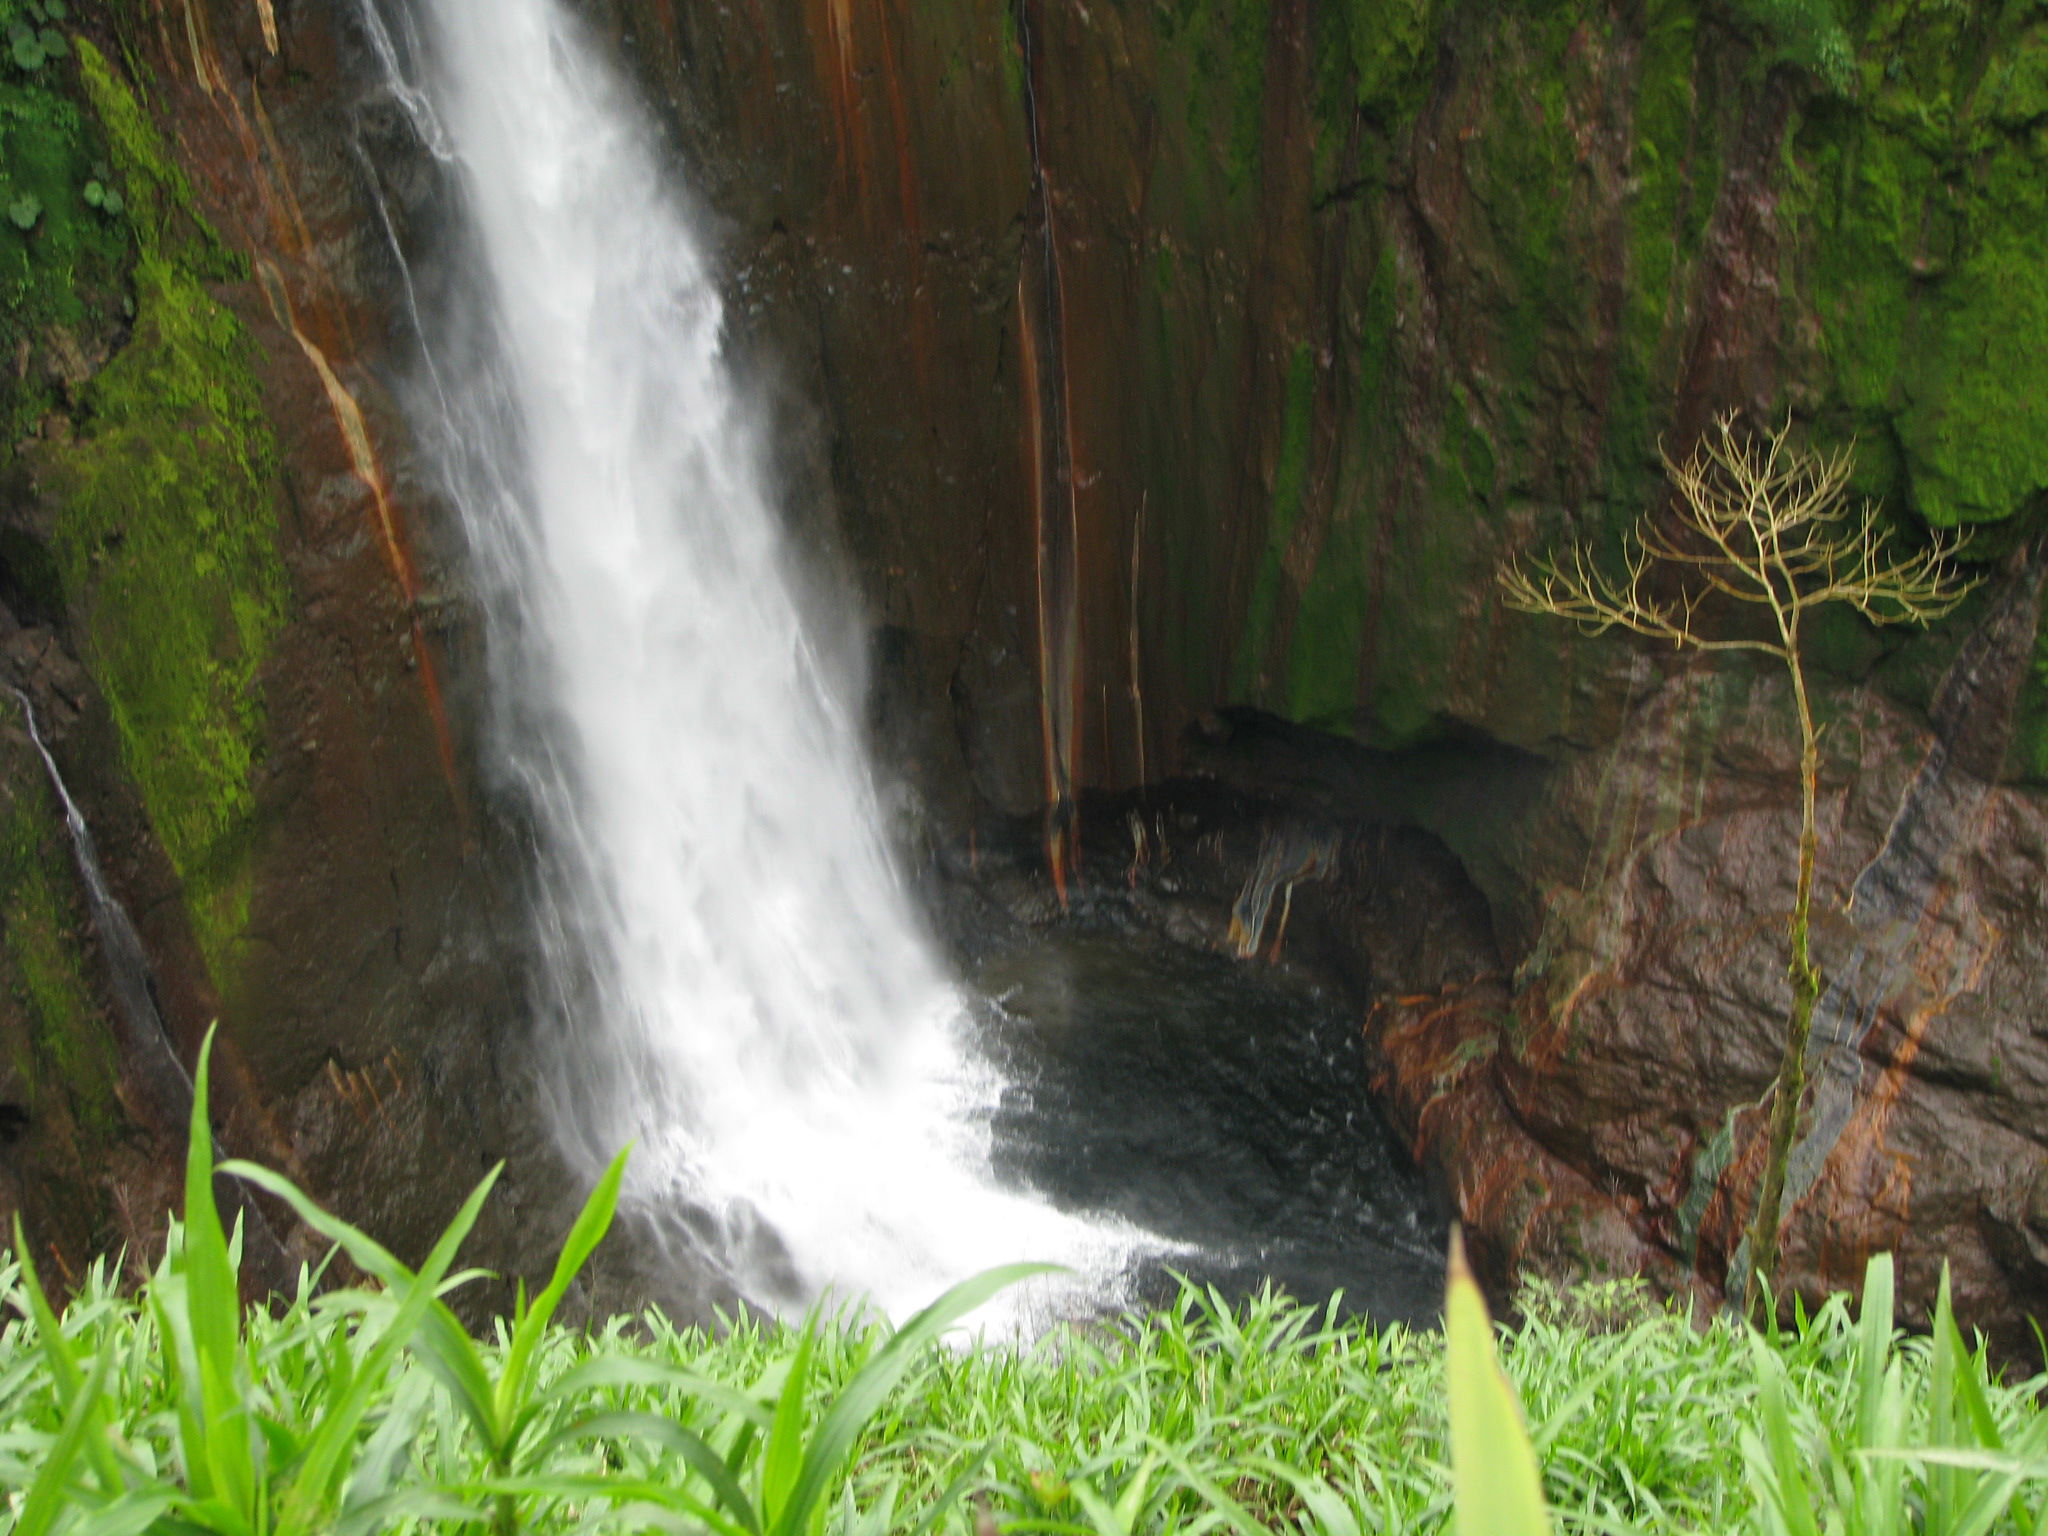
<point x="1382" y="938"/>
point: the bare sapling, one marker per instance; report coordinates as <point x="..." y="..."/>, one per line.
<point x="1765" y="523"/>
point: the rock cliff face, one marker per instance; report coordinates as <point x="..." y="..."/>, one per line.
<point x="1143" y="360"/>
<point x="1228" y="349"/>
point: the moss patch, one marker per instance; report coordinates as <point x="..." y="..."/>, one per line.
<point x="1387" y="45"/>
<point x="69" y="1046"/>
<point x="63" y="238"/>
<point x="1224" y="45"/>
<point x="166" y="534"/>
<point x="1920" y="217"/>
<point x="1808" y="33"/>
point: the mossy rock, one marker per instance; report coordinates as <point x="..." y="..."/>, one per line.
<point x="64" y="240"/>
<point x="165" y="533"/>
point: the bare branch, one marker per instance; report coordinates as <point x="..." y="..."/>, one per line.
<point x="1760" y="521"/>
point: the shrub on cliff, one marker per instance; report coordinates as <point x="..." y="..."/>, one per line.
<point x="1766" y="525"/>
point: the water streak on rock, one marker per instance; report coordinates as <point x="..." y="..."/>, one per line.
<point x="154" y="1087"/>
<point x="1041" y="310"/>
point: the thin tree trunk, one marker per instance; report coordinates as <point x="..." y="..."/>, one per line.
<point x="1760" y="1290"/>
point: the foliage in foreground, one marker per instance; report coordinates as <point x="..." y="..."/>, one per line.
<point x="369" y="1410"/>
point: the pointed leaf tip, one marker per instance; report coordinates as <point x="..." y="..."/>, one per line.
<point x="1496" y="1487"/>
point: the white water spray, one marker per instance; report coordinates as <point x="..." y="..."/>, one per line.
<point x="753" y="1004"/>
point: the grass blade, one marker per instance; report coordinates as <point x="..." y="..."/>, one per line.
<point x="223" y="1462"/>
<point x="63" y="1364"/>
<point x="782" y="1458"/>
<point x="1874" y="1345"/>
<point x="50" y="1494"/>
<point x="686" y="1444"/>
<point x="591" y="1224"/>
<point x="440" y="1340"/>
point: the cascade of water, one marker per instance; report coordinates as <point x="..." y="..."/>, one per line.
<point x="745" y="990"/>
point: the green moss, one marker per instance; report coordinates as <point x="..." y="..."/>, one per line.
<point x="2015" y="90"/>
<point x="1322" y="656"/>
<point x="1387" y="45"/>
<point x="1013" y="58"/>
<point x="1435" y="555"/>
<point x="1524" y="172"/>
<point x="1223" y="44"/>
<point x="167" y="220"/>
<point x="62" y="274"/>
<point x="1920" y="220"/>
<point x="42" y="955"/>
<point x="1290" y="483"/>
<point x="1975" y="419"/>
<point x="1808" y="33"/>
<point x="1674" y="169"/>
<point x="167" y="538"/>
<point x="2028" y="757"/>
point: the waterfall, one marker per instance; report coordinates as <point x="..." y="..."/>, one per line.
<point x="743" y="989"/>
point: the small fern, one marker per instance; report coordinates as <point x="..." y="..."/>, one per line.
<point x="1808" y="33"/>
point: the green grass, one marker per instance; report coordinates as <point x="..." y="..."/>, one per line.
<point x="367" y="1409"/>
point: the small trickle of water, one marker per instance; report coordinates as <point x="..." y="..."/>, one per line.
<point x="74" y="820"/>
<point x="745" y="991"/>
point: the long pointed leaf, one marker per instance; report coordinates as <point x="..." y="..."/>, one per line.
<point x="665" y="1434"/>
<point x="782" y="1458"/>
<point x="316" y="1487"/>
<point x="1779" y="1465"/>
<point x="63" y="1364"/>
<point x="591" y="1224"/>
<point x="223" y="1463"/>
<point x="1944" y="1484"/>
<point x="1493" y="1468"/>
<point x="951" y="1494"/>
<point x="626" y="1371"/>
<point x="444" y="1347"/>
<point x="1232" y="1513"/>
<point x="1107" y="1520"/>
<point x="316" y="1490"/>
<point x="1874" y="1346"/>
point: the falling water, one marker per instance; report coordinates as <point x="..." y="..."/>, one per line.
<point x="744" y="990"/>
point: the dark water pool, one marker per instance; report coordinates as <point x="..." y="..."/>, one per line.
<point x="1219" y="1104"/>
